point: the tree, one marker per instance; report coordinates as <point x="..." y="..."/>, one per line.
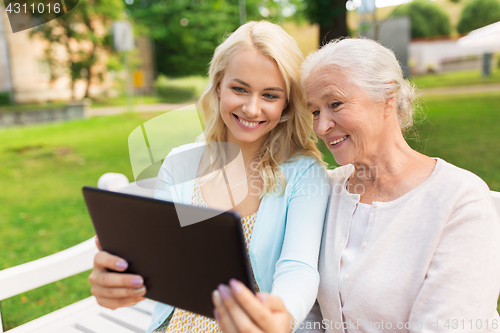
<point x="84" y="34"/>
<point x="186" y="32"/>
<point x="427" y="18"/>
<point x="331" y="15"/>
<point x="477" y="14"/>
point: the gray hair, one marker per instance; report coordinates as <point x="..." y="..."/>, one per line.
<point x="372" y="67"/>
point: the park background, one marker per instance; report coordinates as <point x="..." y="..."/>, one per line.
<point x="71" y="61"/>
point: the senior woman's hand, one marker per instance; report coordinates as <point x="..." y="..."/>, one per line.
<point x="114" y="290"/>
<point x="237" y="309"/>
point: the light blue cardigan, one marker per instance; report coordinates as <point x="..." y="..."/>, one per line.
<point x="287" y="233"/>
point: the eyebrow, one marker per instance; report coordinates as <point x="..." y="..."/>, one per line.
<point x="325" y="96"/>
<point x="246" y="84"/>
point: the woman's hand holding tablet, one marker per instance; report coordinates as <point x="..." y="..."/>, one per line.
<point x="114" y="290"/>
<point x="238" y="310"/>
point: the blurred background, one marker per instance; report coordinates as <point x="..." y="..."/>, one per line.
<point x="73" y="89"/>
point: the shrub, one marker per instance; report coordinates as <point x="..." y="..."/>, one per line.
<point x="477" y="14"/>
<point x="427" y="18"/>
<point x="4" y="98"/>
<point x="170" y="92"/>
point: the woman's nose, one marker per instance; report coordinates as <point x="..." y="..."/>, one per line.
<point x="252" y="107"/>
<point x="324" y="124"/>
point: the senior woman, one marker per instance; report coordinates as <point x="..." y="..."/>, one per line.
<point x="411" y="243"/>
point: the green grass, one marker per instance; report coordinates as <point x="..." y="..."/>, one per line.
<point x="178" y="90"/>
<point x="198" y="83"/>
<point x="43" y="170"/>
<point x="45" y="166"/>
<point x="454" y="79"/>
<point x="122" y="101"/>
<point x="463" y="130"/>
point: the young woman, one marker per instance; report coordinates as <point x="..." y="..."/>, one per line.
<point x="255" y="101"/>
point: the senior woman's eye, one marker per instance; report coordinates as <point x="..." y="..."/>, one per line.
<point x="335" y="105"/>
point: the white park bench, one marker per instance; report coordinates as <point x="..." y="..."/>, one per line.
<point x="85" y="316"/>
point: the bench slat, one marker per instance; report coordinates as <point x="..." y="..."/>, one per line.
<point x="496" y="200"/>
<point x="130" y="318"/>
<point x="69" y="330"/>
<point x="99" y="324"/>
<point x="60" y="319"/>
<point x="147" y="306"/>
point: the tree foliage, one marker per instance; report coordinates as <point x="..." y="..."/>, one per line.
<point x="331" y="15"/>
<point x="427" y="18"/>
<point x="477" y="14"/>
<point x="84" y="34"/>
<point x="186" y="32"/>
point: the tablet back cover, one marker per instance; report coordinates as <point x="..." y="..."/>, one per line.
<point x="181" y="266"/>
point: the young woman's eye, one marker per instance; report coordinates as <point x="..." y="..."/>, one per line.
<point x="315" y="114"/>
<point x="271" y="96"/>
<point x="238" y="89"/>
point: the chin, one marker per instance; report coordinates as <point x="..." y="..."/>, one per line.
<point x="247" y="138"/>
<point x="342" y="159"/>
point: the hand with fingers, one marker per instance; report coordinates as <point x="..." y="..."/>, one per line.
<point x="114" y="290"/>
<point x="238" y="310"/>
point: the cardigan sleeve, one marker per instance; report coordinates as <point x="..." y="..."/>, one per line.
<point x="461" y="288"/>
<point x="296" y="277"/>
<point x="313" y="322"/>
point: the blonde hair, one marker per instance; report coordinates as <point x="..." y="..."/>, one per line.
<point x="372" y="67"/>
<point x="291" y="138"/>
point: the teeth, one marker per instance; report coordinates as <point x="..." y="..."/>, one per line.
<point x="246" y="123"/>
<point x="334" y="142"/>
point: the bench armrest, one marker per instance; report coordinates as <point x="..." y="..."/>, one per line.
<point x="37" y="273"/>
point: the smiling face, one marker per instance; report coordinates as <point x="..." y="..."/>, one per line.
<point x="252" y="97"/>
<point x="350" y="122"/>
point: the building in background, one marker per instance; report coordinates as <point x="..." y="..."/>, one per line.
<point x="25" y="74"/>
<point x="442" y="55"/>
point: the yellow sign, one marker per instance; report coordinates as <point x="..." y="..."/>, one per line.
<point x="138" y="78"/>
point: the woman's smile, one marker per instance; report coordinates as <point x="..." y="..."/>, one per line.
<point x="337" y="141"/>
<point x="247" y="124"/>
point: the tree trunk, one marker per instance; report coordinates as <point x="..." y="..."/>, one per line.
<point x="337" y="26"/>
<point x="89" y="71"/>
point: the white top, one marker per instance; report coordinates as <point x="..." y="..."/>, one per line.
<point x="357" y="232"/>
<point x="432" y="258"/>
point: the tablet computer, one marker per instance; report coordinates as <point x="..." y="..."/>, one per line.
<point x="181" y="266"/>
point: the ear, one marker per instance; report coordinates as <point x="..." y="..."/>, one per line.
<point x="390" y="105"/>
<point x="217" y="89"/>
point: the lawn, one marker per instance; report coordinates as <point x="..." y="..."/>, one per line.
<point x="177" y="90"/>
<point x="454" y="79"/>
<point x="122" y="101"/>
<point x="43" y="170"/>
<point x="45" y="166"/>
